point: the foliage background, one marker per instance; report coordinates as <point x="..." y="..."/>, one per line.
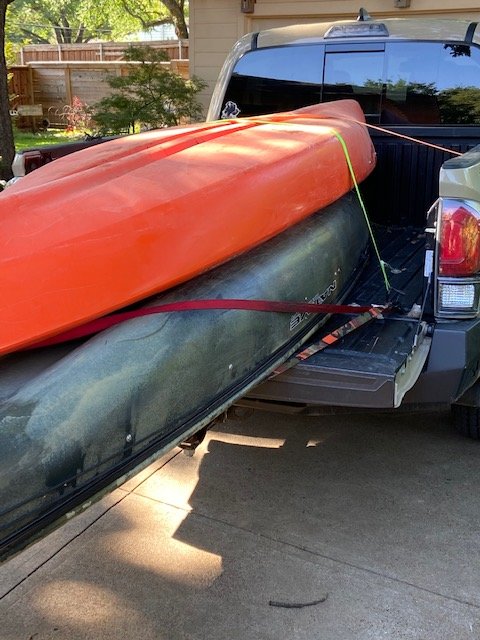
<point x="151" y="96"/>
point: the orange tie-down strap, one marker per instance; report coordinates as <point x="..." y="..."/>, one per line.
<point x="371" y="313"/>
<point x="286" y="118"/>
<point x="105" y="322"/>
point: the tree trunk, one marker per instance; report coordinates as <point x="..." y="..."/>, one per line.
<point x="7" y="145"/>
<point x="176" y="10"/>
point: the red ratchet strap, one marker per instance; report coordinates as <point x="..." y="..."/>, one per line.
<point x="100" y="324"/>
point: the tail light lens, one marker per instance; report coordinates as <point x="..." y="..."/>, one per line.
<point x="28" y="161"/>
<point x="35" y="159"/>
<point x="459" y="251"/>
<point x="458" y="277"/>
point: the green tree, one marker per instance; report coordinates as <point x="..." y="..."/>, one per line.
<point x="7" y="145"/>
<point x="66" y="21"/>
<point x="10" y="55"/>
<point x="151" y="94"/>
<point x="151" y="13"/>
<point x="75" y="21"/>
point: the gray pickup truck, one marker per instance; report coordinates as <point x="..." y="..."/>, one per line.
<point x="414" y="79"/>
<point x="418" y="83"/>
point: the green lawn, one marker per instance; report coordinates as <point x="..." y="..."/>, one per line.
<point x="27" y="139"/>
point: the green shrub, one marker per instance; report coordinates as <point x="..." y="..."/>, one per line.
<point x="150" y="96"/>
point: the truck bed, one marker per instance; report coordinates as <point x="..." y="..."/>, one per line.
<point x="377" y="363"/>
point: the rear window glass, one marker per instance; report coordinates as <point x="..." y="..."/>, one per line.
<point x="357" y="75"/>
<point x="410" y="83"/>
<point x="431" y="83"/>
<point x="273" y="80"/>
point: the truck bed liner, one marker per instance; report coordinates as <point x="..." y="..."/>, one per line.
<point x="374" y="365"/>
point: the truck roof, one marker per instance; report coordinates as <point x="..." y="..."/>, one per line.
<point x="397" y="28"/>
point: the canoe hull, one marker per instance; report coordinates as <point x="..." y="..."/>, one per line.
<point x="75" y="418"/>
<point x="115" y="224"/>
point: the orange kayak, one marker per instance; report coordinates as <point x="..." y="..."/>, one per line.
<point x="116" y="223"/>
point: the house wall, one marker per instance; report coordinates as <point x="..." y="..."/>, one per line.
<point x="215" y="25"/>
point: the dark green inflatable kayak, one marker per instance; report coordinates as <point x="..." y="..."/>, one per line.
<point x="78" y="417"/>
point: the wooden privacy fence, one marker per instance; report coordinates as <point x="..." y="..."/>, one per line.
<point x="53" y="85"/>
<point x="96" y="51"/>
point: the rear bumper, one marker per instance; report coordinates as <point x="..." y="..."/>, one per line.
<point x="354" y="380"/>
<point x="453" y="365"/>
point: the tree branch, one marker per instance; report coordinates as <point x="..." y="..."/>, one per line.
<point x="34" y="36"/>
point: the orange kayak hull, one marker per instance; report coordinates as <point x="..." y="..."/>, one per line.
<point x="114" y="224"/>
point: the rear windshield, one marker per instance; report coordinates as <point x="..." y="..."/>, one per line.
<point x="273" y="80"/>
<point x="432" y="83"/>
<point x="400" y="83"/>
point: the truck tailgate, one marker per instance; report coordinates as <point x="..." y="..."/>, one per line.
<point x="375" y="365"/>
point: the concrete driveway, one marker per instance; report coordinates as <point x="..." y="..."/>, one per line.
<point x="370" y="521"/>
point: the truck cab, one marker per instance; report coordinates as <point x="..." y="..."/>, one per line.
<point x="418" y="83"/>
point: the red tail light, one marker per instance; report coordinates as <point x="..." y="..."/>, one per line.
<point x="33" y="160"/>
<point x="459" y="253"/>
